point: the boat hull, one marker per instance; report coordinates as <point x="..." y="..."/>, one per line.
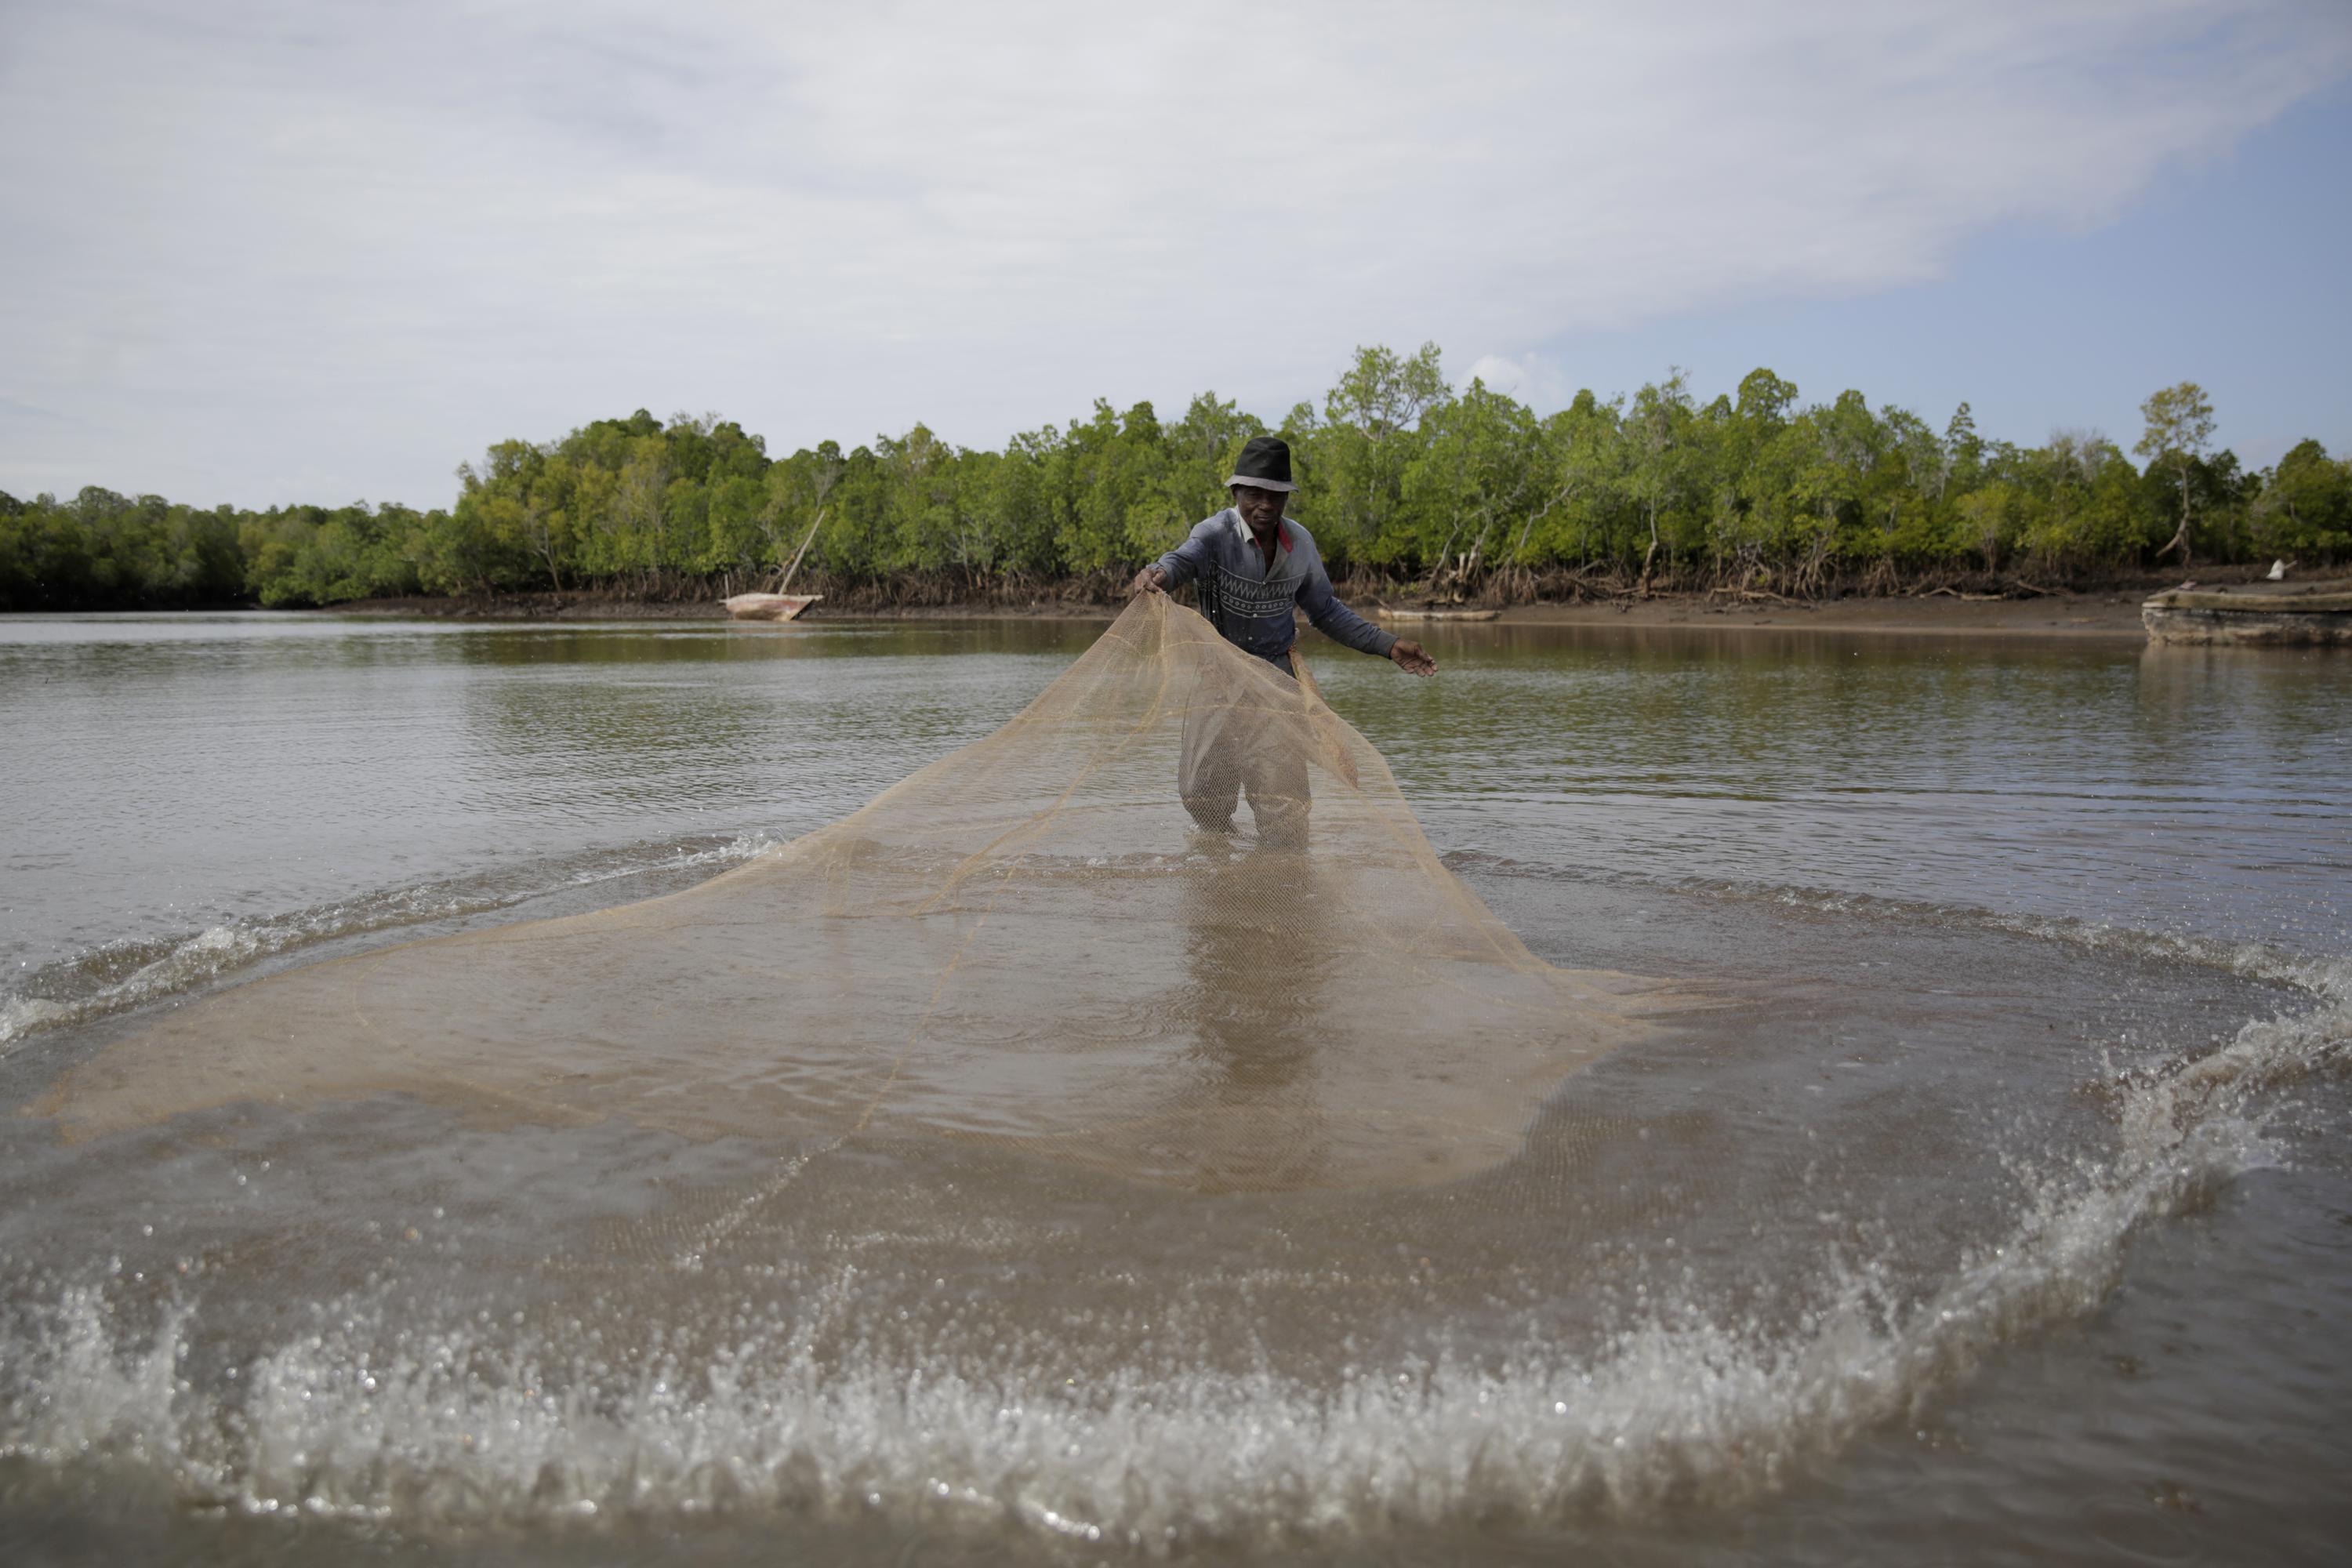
<point x="2251" y="620"/>
<point x="769" y="607"/>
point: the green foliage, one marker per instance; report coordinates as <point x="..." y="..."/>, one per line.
<point x="1371" y="433"/>
<point x="2306" y="508"/>
<point x="307" y="555"/>
<point x="103" y="549"/>
<point x="1399" y="473"/>
<point x="2179" y="427"/>
<point x="1481" y="462"/>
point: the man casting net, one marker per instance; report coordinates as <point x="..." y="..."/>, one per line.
<point x="1027" y="942"/>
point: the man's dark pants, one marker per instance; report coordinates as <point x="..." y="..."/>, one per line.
<point x="1253" y="745"/>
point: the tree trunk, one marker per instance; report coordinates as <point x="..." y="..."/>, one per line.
<point x="2179" y="539"/>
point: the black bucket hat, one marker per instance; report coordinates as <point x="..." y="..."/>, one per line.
<point x="1265" y="463"/>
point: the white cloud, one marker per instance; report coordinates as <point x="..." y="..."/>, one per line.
<point x="1521" y="377"/>
<point x="326" y="250"/>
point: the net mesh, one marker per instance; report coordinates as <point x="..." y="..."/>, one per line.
<point x="1041" y="940"/>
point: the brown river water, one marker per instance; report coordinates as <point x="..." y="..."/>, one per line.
<point x="1986" y="1197"/>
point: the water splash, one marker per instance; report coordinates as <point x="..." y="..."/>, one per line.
<point x="375" y="1417"/>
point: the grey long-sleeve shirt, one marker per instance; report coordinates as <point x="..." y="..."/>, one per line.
<point x="1251" y="603"/>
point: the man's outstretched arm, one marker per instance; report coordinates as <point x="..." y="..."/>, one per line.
<point x="1343" y="624"/>
<point x="1179" y="565"/>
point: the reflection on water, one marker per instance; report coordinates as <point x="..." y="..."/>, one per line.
<point x="1257" y="931"/>
<point x="2169" y="789"/>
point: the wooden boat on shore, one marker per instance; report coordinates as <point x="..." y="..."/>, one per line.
<point x="778" y="605"/>
<point x="769" y="607"/>
<point x="1438" y="614"/>
<point x="2318" y="615"/>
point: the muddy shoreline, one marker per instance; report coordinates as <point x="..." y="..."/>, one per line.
<point x="2109" y="613"/>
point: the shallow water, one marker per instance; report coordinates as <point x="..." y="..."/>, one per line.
<point x="1997" y="1207"/>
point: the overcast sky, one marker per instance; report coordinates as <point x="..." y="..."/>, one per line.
<point x="260" y="252"/>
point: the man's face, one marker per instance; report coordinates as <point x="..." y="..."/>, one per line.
<point x="1260" y="508"/>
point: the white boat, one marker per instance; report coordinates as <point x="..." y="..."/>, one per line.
<point x="1411" y="615"/>
<point x="769" y="607"/>
<point x="2321" y="614"/>
<point x="778" y="605"/>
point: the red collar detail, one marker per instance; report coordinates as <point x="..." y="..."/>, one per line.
<point x="1281" y="534"/>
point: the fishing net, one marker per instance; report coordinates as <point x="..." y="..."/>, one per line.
<point x="1048" y="939"/>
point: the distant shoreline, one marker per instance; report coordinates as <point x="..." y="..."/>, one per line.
<point x="2113" y="613"/>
